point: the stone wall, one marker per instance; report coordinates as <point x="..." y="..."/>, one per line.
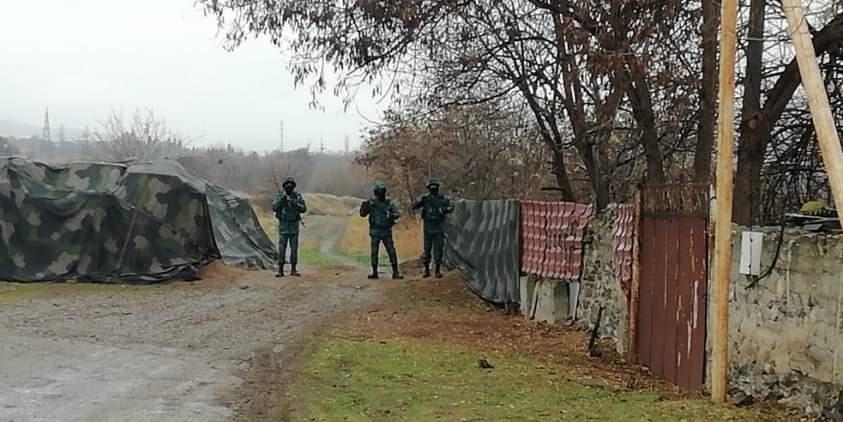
<point x="786" y="332"/>
<point x="599" y="287"/>
<point x="786" y="338"/>
<point x="553" y="301"/>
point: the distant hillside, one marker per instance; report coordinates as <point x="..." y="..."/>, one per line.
<point x="317" y="204"/>
<point x="17" y="129"/>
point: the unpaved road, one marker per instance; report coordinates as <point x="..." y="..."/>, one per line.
<point x="172" y="352"/>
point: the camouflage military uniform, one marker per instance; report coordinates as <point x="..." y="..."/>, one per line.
<point x="288" y="207"/>
<point x="382" y="214"/>
<point x="435" y="207"/>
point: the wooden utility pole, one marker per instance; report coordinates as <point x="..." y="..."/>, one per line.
<point x="634" y="294"/>
<point x="814" y="86"/>
<point x="723" y="196"/>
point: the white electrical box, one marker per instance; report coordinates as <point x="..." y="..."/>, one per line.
<point x="751" y="244"/>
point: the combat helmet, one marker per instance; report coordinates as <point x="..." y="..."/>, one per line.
<point x="289" y="181"/>
<point x="433" y="181"/>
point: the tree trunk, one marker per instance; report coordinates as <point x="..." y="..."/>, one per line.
<point x="572" y="100"/>
<point x="642" y="109"/>
<point x="756" y="129"/>
<point x="708" y="93"/>
<point x="752" y="145"/>
<point x="562" y="175"/>
<point x="599" y="185"/>
<point x="551" y="136"/>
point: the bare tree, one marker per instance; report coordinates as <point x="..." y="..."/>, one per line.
<point x="618" y="90"/>
<point x="143" y="137"/>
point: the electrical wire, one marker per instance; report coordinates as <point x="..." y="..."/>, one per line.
<point x="775" y="259"/>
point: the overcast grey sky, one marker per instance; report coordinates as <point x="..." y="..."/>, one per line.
<point x="84" y="58"/>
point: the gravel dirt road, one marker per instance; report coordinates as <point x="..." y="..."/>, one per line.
<point x="173" y="352"/>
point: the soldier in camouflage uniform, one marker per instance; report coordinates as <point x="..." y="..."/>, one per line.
<point x="288" y="207"/>
<point x="382" y="214"/>
<point x="435" y="207"/>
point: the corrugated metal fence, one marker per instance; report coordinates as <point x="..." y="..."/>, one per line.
<point x="483" y="244"/>
<point x="672" y="302"/>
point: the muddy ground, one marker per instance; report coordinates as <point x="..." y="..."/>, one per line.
<point x="227" y="347"/>
<point x="173" y="352"/>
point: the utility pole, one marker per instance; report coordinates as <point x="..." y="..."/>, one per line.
<point x="321" y="144"/>
<point x="46" y="133"/>
<point x="814" y="86"/>
<point x="347" y="145"/>
<point x="723" y="196"/>
<point x="61" y="134"/>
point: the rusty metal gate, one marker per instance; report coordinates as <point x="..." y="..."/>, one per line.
<point x="673" y="283"/>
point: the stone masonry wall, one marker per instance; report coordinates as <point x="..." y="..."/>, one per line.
<point x="600" y="287"/>
<point x="551" y="300"/>
<point x="786" y="338"/>
<point x="786" y="332"/>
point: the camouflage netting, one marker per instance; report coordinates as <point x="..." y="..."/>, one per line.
<point x="483" y="243"/>
<point x="104" y="222"/>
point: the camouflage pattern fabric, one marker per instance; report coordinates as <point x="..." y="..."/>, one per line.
<point x="107" y="222"/>
<point x="434" y="210"/>
<point x="382" y="216"/>
<point x="483" y="242"/>
<point x="288" y="210"/>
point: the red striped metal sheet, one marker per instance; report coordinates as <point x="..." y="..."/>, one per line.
<point x="623" y="238"/>
<point x="552" y="236"/>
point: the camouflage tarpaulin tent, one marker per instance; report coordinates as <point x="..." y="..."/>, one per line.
<point x="483" y="242"/>
<point x="120" y="222"/>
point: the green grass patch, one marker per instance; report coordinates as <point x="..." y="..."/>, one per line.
<point x="346" y="380"/>
<point x="311" y="256"/>
<point x="17" y="292"/>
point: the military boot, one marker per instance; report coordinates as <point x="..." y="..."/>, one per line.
<point x="426" y="270"/>
<point x="439" y="270"/>
<point x="374" y="274"/>
<point x="396" y="275"/>
<point x="280" y="272"/>
<point x="293" y="271"/>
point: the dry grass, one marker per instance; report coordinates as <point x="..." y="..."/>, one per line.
<point x="266" y="218"/>
<point x="323" y="204"/>
<point x="317" y="204"/>
<point x="415" y="356"/>
<point x="407" y="236"/>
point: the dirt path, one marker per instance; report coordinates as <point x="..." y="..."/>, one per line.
<point x="329" y="242"/>
<point x="175" y="352"/>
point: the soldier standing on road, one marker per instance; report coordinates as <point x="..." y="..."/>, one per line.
<point x="382" y="214"/>
<point x="288" y="207"/>
<point x="435" y="207"/>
